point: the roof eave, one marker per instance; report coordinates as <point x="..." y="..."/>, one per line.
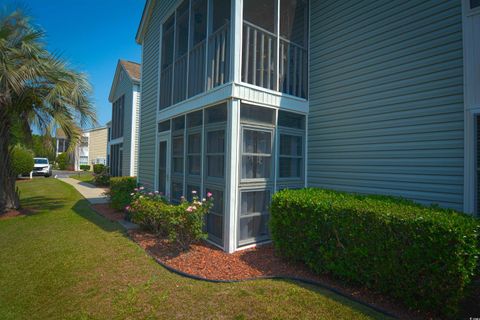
<point x="147" y="13"/>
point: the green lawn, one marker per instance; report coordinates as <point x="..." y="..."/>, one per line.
<point x="84" y="176"/>
<point x="66" y="262"/>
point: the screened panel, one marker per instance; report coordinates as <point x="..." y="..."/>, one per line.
<point x="216" y="114"/>
<point x="194" y="119"/>
<point x="178" y="123"/>
<point x="194" y="153"/>
<point x="260" y="13"/>
<point x="199" y="21"/>
<point x="168" y="42"/>
<point x="216" y="153"/>
<point x="256" y="155"/>
<point x="293" y="20"/>
<point x="254" y="216"/>
<point x="221" y="14"/>
<point x="474" y="4"/>
<point x="177" y="154"/>
<point x="291" y="120"/>
<point x="291" y="156"/>
<point x="164" y="126"/>
<point x="162" y="166"/>
<point x="177" y="191"/>
<point x="255" y="114"/>
<point x="215" y="217"/>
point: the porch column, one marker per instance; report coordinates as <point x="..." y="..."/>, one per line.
<point x="233" y="144"/>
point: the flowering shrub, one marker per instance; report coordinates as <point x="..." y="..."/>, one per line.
<point x="182" y="223"/>
<point x="101" y="176"/>
<point x="120" y="191"/>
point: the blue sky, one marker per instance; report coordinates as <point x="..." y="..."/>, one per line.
<point x="92" y="35"/>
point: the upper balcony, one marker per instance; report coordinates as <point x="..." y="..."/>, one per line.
<point x="197" y="50"/>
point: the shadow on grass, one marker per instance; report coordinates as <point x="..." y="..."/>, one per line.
<point x="40" y="203"/>
<point x="84" y="210"/>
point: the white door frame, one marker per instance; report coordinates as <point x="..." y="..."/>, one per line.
<point x="164" y="137"/>
<point x="471" y="57"/>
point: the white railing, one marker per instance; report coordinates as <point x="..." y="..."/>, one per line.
<point x="196" y="69"/>
<point x="293" y="69"/>
<point x="218" y="57"/>
<point x="180" y="79"/>
<point x="166" y="77"/>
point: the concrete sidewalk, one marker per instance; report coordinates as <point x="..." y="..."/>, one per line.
<point x="93" y="194"/>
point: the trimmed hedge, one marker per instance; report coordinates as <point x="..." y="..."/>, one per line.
<point x="423" y="256"/>
<point x="22" y="160"/>
<point x="121" y="189"/>
<point x="62" y="160"/>
<point x="85" y="167"/>
<point x="98" y="168"/>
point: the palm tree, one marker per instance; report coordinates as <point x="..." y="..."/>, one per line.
<point x="37" y="90"/>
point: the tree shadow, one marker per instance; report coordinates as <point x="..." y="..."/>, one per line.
<point x="83" y="209"/>
<point x="40" y="203"/>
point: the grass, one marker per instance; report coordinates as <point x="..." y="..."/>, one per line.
<point x="66" y="262"/>
<point x="84" y="177"/>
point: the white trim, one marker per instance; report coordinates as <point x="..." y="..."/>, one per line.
<point x="471" y="70"/>
<point x="236" y="37"/>
<point x="232" y="179"/>
<point x="165" y="137"/>
<point x="116" y="141"/>
<point x="134" y="130"/>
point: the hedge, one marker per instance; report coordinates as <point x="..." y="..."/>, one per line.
<point x="120" y="191"/>
<point x="85" y="167"/>
<point x="62" y="160"/>
<point x="22" y="160"/>
<point x="98" y="168"/>
<point x="423" y="256"/>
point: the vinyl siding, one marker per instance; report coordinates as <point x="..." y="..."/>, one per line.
<point x="97" y="145"/>
<point x="125" y="87"/>
<point x="386" y="99"/>
<point x="149" y="98"/>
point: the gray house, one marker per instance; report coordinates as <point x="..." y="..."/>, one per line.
<point x="122" y="147"/>
<point x="242" y="98"/>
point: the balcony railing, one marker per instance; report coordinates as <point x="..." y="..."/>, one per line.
<point x="260" y="62"/>
<point x="218" y="57"/>
<point x="196" y="78"/>
<point x="259" y="56"/>
<point x="166" y="78"/>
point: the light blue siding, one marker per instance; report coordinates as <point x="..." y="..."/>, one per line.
<point x="149" y="105"/>
<point x="386" y="99"/>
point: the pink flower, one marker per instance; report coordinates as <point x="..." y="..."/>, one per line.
<point x="150" y="193"/>
<point x="141" y="188"/>
<point x="136" y="189"/>
<point x="209" y="194"/>
<point x="194" y="192"/>
<point x="128" y="208"/>
<point x="190" y="209"/>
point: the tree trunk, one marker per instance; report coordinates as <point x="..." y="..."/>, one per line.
<point x="8" y="194"/>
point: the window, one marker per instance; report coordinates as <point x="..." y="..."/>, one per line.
<point x="474" y="4"/>
<point x="260" y="13"/>
<point x="254" y="216"/>
<point x="167" y="43"/>
<point x="199" y="19"/>
<point x="62" y="145"/>
<point x="194" y="153"/>
<point x="221" y="14"/>
<point x="293" y="21"/>
<point x="254" y="114"/>
<point x="216" y="114"/>
<point x="118" y="110"/>
<point x="83" y="160"/>
<point x="194" y="119"/>
<point x="164" y="126"/>
<point x="84" y="142"/>
<point x="291" y="156"/>
<point x="216" y="153"/>
<point x="177" y="155"/>
<point x="256" y="154"/>
<point x="291" y="120"/>
<point x="215" y="217"/>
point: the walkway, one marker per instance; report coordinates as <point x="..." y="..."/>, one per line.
<point x="93" y="194"/>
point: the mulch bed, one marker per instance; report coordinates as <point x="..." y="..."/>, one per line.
<point x="108" y="212"/>
<point x="16" y="213"/>
<point x="207" y="261"/>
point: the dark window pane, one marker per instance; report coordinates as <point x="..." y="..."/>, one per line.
<point x="251" y="113"/>
<point x="194" y="165"/>
<point x="474" y="4"/>
<point x="194" y="143"/>
<point x="216" y="114"/>
<point x="290" y="167"/>
<point x="293" y="20"/>
<point x="167" y="43"/>
<point x="254" y="167"/>
<point x="290" y="145"/>
<point x="215" y="217"/>
<point x="291" y="120"/>
<point x="221" y="13"/>
<point x="199" y="21"/>
<point x="164" y="126"/>
<point x="254" y="227"/>
<point x="182" y="30"/>
<point x="257" y="142"/>
<point x="216" y="166"/>
<point x="260" y="13"/>
<point x="178" y="123"/>
<point x="216" y="141"/>
<point x="177" y="191"/>
<point x="194" y="119"/>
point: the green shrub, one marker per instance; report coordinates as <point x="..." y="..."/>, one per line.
<point x="424" y="256"/>
<point x="63" y="161"/>
<point x="182" y="223"/>
<point x="22" y="160"/>
<point x="98" y="168"/>
<point x="102" y="178"/>
<point x="85" y="167"/>
<point x="120" y="191"/>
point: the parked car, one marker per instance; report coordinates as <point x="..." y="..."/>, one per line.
<point x="42" y="167"/>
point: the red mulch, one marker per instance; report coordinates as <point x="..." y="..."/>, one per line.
<point x="16" y="213"/>
<point x="108" y="212"/>
<point x="207" y="261"/>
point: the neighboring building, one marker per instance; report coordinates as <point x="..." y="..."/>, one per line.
<point x="92" y="148"/>
<point x="123" y="128"/>
<point x="242" y="98"/>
